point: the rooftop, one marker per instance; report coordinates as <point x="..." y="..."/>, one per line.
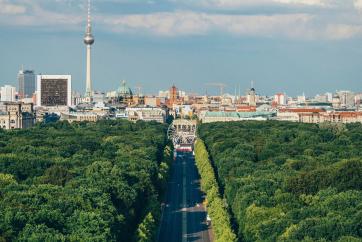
<point x="238" y="114"/>
<point x="302" y="110"/>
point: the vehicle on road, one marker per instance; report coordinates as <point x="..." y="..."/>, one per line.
<point x="208" y="220"/>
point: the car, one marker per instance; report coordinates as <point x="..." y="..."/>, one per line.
<point x="208" y="220"/>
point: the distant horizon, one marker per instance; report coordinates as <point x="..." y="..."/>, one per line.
<point x="210" y="91"/>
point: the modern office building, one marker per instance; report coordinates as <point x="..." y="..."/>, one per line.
<point x="26" y="79"/>
<point x="346" y="98"/>
<point x="8" y="93"/>
<point x="54" y="90"/>
<point x="280" y="99"/>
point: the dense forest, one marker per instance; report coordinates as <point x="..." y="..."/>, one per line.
<point x="82" y="181"/>
<point x="289" y="181"/>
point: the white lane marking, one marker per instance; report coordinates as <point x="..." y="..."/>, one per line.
<point x="184" y="213"/>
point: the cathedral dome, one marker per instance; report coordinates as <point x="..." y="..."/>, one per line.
<point x="124" y="90"/>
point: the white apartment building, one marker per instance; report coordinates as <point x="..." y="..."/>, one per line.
<point x="8" y="93"/>
<point x="146" y="114"/>
<point x="281" y="99"/>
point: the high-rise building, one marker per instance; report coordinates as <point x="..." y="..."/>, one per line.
<point x="8" y="94"/>
<point x="329" y="96"/>
<point x="280" y="99"/>
<point x="346" y="98"/>
<point x="89" y="41"/>
<point x="54" y="90"/>
<point x="26" y="79"/>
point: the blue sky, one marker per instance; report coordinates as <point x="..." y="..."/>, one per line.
<point x="296" y="46"/>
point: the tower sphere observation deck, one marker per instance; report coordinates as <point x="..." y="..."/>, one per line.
<point x="88" y="39"/>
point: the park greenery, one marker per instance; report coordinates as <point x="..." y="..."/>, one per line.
<point x="215" y="204"/>
<point x="83" y="181"/>
<point x="287" y="181"/>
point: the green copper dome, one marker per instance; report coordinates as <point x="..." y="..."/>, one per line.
<point x="124" y="90"/>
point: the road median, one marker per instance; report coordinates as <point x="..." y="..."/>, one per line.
<point x="215" y="204"/>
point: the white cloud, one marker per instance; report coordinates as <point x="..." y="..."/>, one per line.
<point x="37" y="16"/>
<point x="303" y="2"/>
<point x="301" y="26"/>
<point x="342" y="31"/>
<point x="7" y="8"/>
<point x="242" y="3"/>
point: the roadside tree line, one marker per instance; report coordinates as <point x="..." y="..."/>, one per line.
<point x="216" y="206"/>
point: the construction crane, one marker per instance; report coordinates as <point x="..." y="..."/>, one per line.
<point x="139" y="88"/>
<point x="220" y="85"/>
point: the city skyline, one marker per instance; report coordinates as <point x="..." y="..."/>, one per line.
<point x="189" y="54"/>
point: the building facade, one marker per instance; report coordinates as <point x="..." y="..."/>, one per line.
<point x="80" y="117"/>
<point x="210" y="117"/>
<point x="310" y="115"/>
<point x="54" y="90"/>
<point x="280" y="99"/>
<point x="332" y="117"/>
<point x="152" y="101"/>
<point x="346" y="98"/>
<point x="146" y="114"/>
<point x="251" y="97"/>
<point x="17" y="116"/>
<point x="307" y="115"/>
<point x="8" y="94"/>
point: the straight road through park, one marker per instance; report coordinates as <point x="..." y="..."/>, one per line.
<point x="184" y="216"/>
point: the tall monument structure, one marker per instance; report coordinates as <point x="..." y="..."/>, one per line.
<point x="89" y="40"/>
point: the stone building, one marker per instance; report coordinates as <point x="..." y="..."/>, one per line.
<point x="17" y="116"/>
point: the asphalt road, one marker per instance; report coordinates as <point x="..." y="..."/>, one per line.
<point x="183" y="216"/>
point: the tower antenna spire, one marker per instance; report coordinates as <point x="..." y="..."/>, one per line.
<point x="89" y="20"/>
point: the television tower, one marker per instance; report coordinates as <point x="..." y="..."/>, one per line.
<point x="89" y="40"/>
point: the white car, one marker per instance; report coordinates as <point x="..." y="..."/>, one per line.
<point x="208" y="220"/>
